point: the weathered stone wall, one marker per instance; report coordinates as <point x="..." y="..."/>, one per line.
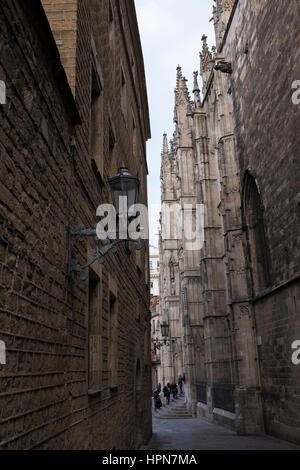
<point x="263" y="45"/>
<point x="47" y="185"/>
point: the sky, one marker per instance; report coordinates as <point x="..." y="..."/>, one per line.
<point x="171" y="32"/>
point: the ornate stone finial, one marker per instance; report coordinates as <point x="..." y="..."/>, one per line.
<point x="196" y="85"/>
<point x="165" y="144"/>
<point x="204" y="40"/>
<point x="179" y="75"/>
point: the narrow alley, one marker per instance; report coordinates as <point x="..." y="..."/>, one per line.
<point x="149" y="229"/>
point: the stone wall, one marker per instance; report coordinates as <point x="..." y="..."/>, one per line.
<point x="50" y="183"/>
<point x="263" y="45"/>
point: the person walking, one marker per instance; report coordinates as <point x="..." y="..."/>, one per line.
<point x="166" y="392"/>
<point x="157" y="400"/>
<point x="155" y="396"/>
<point x="174" y="390"/>
<point x="180" y="385"/>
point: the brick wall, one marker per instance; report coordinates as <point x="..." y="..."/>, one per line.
<point x="47" y="186"/>
<point x="63" y="20"/>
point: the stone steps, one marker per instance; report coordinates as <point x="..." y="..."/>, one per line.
<point x="175" y="410"/>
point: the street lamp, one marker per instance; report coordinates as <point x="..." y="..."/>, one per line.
<point x="122" y="185"/>
<point x="165" y="329"/>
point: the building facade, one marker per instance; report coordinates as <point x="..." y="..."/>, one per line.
<point x="77" y="372"/>
<point x="233" y="305"/>
<point x="154" y="271"/>
<point x="154" y="268"/>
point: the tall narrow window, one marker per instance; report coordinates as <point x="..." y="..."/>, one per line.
<point x="113" y="340"/>
<point x="94" y="338"/>
<point x="96" y="126"/>
<point x="256" y="236"/>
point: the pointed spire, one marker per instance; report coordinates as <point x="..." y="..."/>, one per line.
<point x="221" y="14"/>
<point x="181" y="90"/>
<point x="179" y="75"/>
<point x="165" y="144"/>
<point x="196" y="86"/>
<point x="196" y="91"/>
<point x="204" y="40"/>
<point x="206" y="55"/>
<point x="206" y="62"/>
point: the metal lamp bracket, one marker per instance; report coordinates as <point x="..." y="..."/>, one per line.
<point x="107" y="246"/>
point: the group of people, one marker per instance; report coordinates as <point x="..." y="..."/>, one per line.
<point x="168" y="390"/>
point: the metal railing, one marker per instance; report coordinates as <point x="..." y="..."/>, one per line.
<point x="201" y="392"/>
<point x="223" y="397"/>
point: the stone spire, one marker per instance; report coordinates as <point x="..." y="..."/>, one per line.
<point x="196" y="91"/>
<point x="221" y="14"/>
<point x="206" y="62"/>
<point x="182" y="112"/>
<point x="165" y="145"/>
<point x="181" y="91"/>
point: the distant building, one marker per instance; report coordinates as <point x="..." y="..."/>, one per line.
<point x="154" y="265"/>
<point x="154" y="271"/>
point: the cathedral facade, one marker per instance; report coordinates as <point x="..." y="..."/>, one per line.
<point x="231" y="170"/>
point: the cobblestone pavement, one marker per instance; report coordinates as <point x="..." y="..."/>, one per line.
<point x="197" y="434"/>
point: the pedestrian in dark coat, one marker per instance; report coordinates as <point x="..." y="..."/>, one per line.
<point x="167" y="393"/>
<point x="174" y="390"/>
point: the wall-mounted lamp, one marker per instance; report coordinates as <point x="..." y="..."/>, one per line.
<point x="122" y="185"/>
<point x="164" y="329"/>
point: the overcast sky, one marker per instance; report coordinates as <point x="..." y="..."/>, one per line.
<point x="171" y="32"/>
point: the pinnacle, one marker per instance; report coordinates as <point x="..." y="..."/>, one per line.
<point x="165" y="144"/>
<point x="181" y="84"/>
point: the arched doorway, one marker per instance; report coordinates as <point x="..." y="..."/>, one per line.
<point x="257" y="248"/>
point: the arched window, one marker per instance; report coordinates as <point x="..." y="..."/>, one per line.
<point x="253" y="219"/>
